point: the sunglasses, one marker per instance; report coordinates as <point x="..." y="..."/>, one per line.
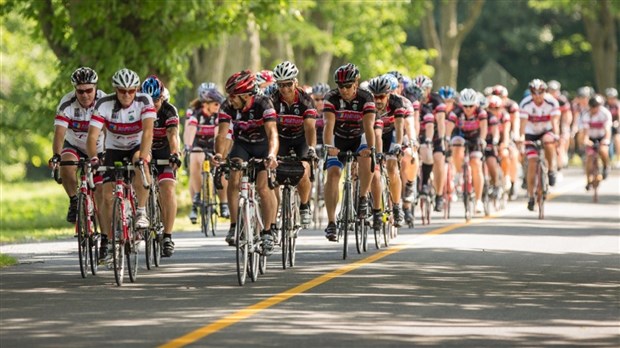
<point x="82" y="91"/>
<point x="131" y="91"/>
<point x="381" y="96"/>
<point x="285" y="84"/>
<point x="468" y="106"/>
<point x="345" y="85"/>
<point x="318" y="99"/>
<point x="538" y="92"/>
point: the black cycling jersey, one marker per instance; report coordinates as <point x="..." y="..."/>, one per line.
<point x="397" y="107"/>
<point x="349" y="114"/>
<point x="248" y="123"/>
<point x="167" y="117"/>
<point x="291" y="116"/>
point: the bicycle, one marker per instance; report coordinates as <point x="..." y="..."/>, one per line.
<point x="318" y="187"/>
<point x="209" y="201"/>
<point x="486" y="188"/>
<point x="427" y="201"/>
<point x="541" y="182"/>
<point x="125" y="238"/>
<point x="347" y="214"/>
<point x="87" y="224"/>
<point x="249" y="222"/>
<point x="594" y="176"/>
<point x="154" y="235"/>
<point x="467" y="190"/>
<point x="387" y="216"/>
<point x="449" y="186"/>
<point x="288" y="174"/>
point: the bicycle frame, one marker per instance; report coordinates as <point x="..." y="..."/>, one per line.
<point x="346" y="216"/>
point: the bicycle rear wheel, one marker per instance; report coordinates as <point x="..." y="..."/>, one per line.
<point x="467" y="193"/>
<point x="346" y="220"/>
<point x="286" y="225"/>
<point x="131" y="251"/>
<point x="157" y="240"/>
<point x="81" y="229"/>
<point x="94" y="240"/>
<point x="118" y="244"/>
<point x="242" y="241"/>
<point x="540" y="191"/>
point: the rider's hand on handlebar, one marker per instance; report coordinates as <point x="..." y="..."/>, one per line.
<point x="174" y="161"/>
<point x="53" y="162"/>
<point x="95" y="163"/>
<point x="216" y="159"/>
<point x="271" y="162"/>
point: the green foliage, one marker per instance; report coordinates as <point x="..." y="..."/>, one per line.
<point x="6" y="260"/>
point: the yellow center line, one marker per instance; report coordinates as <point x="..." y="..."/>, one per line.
<point x="249" y="311"/>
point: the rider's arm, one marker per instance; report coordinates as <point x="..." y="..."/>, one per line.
<point x="221" y="143"/>
<point x="484" y="128"/>
<point x="310" y="131"/>
<point x="191" y="126"/>
<point x="59" y="138"/>
<point x="441" y="123"/>
<point x="271" y="128"/>
<point x="369" y="121"/>
<point x="147" y="138"/>
<point x="328" y="128"/>
<point x="172" y="133"/>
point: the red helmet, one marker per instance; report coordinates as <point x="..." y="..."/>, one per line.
<point x="346" y="73"/>
<point x="495" y="102"/>
<point x="499" y="90"/>
<point x="241" y="83"/>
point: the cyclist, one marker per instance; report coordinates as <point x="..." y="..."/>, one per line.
<point x="498" y="134"/>
<point x="566" y="118"/>
<point x="264" y="79"/>
<point x="199" y="138"/>
<point x="296" y="127"/>
<point x="611" y="103"/>
<point x="128" y="117"/>
<point x="448" y="94"/>
<point x="579" y="107"/>
<point x="540" y="113"/>
<point x="165" y="146"/>
<point x="595" y="128"/>
<point x="410" y="163"/>
<point x="319" y="91"/>
<point x="433" y="113"/>
<point x="349" y="114"/>
<point x="468" y="121"/>
<point x="400" y="87"/>
<point x="391" y="111"/>
<point x="70" y="132"/>
<point x="512" y="108"/>
<point x="255" y="136"/>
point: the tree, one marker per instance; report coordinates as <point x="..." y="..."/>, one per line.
<point x="447" y="37"/>
<point x="600" y="23"/>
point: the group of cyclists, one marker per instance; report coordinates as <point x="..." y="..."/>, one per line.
<point x="389" y="120"/>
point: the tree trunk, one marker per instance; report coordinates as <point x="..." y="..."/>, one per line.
<point x="448" y="38"/>
<point x="601" y="33"/>
<point x="253" y="34"/>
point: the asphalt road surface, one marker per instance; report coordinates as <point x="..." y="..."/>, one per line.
<point x="507" y="280"/>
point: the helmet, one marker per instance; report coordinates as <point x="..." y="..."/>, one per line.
<point x="495" y="102"/>
<point x="414" y="92"/>
<point x="397" y="74"/>
<point x="585" y="92"/>
<point x="499" y="90"/>
<point x="346" y="73"/>
<point x="537" y="86"/>
<point x="423" y="82"/>
<point x="203" y="88"/>
<point x="611" y="92"/>
<point x="482" y="100"/>
<point x="270" y="90"/>
<point x="213" y="95"/>
<point x="165" y="94"/>
<point x="320" y="89"/>
<point x="596" y="100"/>
<point x="241" y="83"/>
<point x="83" y="76"/>
<point x="554" y="85"/>
<point x="488" y="90"/>
<point x="153" y="87"/>
<point x="447" y="92"/>
<point x="285" y="71"/>
<point x="125" y="78"/>
<point x="468" y="96"/>
<point x="264" y="76"/>
<point x="393" y="81"/>
<point x="380" y="85"/>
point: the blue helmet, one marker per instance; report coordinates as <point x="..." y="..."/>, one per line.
<point x="270" y="90"/>
<point x="153" y="87"/>
<point x="447" y="92"/>
<point x="393" y="81"/>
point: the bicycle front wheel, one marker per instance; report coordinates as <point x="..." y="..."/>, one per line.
<point x="81" y="228"/>
<point x="94" y="240"/>
<point x="540" y="191"/>
<point x="118" y="244"/>
<point x="285" y="215"/>
<point x="241" y="241"/>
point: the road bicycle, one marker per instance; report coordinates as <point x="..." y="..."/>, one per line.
<point x="593" y="170"/>
<point x="449" y="185"/>
<point x="289" y="173"/>
<point x="318" y="188"/>
<point x="541" y="181"/>
<point x="347" y="216"/>
<point x="209" y="200"/>
<point x="87" y="223"/>
<point x="154" y="235"/>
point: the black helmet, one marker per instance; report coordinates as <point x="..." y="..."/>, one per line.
<point x="346" y="73"/>
<point x="596" y="100"/>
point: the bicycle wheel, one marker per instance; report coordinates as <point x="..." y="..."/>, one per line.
<point x="157" y="240"/>
<point x="94" y="240"/>
<point x="118" y="244"/>
<point x="467" y="193"/>
<point x="447" y="192"/>
<point x="131" y="250"/>
<point x="387" y="231"/>
<point x="486" y="199"/>
<point x="205" y="205"/>
<point x="242" y="241"/>
<point x="540" y="191"/>
<point x="347" y="219"/>
<point x="286" y="224"/>
<point x="81" y="229"/>
<point x="254" y="254"/>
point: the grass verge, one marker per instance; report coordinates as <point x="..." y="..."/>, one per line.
<point x="6" y="260"/>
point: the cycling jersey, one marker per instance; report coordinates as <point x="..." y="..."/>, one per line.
<point x="540" y="117"/>
<point x="248" y="123"/>
<point x="434" y="104"/>
<point x="501" y="120"/>
<point x="349" y="114"/>
<point x="123" y="125"/>
<point x="291" y="116"/>
<point x="205" y="128"/>
<point x="511" y="106"/>
<point x="615" y="121"/>
<point x="397" y="107"/>
<point x="167" y="117"/>
<point x="467" y="127"/>
<point x="596" y="124"/>
<point x="71" y="115"/>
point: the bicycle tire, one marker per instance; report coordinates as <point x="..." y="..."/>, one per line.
<point x="387" y="232"/>
<point x="157" y="249"/>
<point x="284" y="216"/>
<point x="540" y="191"/>
<point x="346" y="216"/>
<point x="205" y="205"/>
<point x="254" y="264"/>
<point x="467" y="190"/>
<point x="447" y="192"/>
<point x="81" y="229"/>
<point x="242" y="242"/>
<point x="118" y="245"/>
<point x="131" y="250"/>
<point x="94" y="242"/>
<point x="486" y="199"/>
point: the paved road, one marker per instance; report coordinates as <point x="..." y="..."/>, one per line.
<point x="510" y="280"/>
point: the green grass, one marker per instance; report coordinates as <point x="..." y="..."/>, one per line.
<point x="36" y="211"/>
<point x="6" y="260"/>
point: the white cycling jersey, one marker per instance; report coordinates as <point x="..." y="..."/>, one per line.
<point x="76" y="119"/>
<point x="123" y="125"/>
<point x="539" y="117"/>
<point x="596" y="124"/>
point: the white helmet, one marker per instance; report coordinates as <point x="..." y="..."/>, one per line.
<point x="423" y="82"/>
<point x="285" y="71"/>
<point x="469" y="96"/>
<point x="125" y="78"/>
